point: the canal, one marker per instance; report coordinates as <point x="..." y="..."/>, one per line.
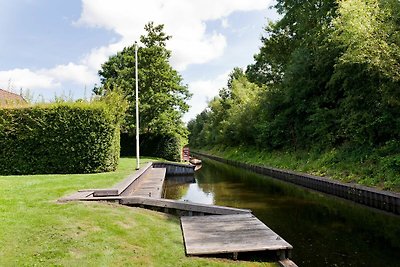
<point x="324" y="230"/>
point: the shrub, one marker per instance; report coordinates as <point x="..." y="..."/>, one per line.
<point x="59" y="138"/>
<point x="167" y="146"/>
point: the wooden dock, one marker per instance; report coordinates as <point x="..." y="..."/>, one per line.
<point x="130" y="184"/>
<point x="206" y="235"/>
<point x="207" y="229"/>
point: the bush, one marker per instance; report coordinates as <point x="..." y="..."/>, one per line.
<point x="59" y="138"/>
<point x="153" y="145"/>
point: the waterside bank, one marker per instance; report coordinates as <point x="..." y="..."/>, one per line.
<point x="375" y="198"/>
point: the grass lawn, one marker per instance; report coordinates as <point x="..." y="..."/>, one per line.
<point x="37" y="231"/>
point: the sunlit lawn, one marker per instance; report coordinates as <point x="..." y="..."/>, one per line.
<point x="37" y="231"/>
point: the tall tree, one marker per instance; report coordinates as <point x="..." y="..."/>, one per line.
<point x="296" y="63"/>
<point x="162" y="95"/>
<point x="368" y="70"/>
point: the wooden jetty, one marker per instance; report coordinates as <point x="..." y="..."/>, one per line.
<point x="236" y="233"/>
<point x="207" y="229"/>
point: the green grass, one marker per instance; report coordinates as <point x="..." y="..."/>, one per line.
<point x="378" y="168"/>
<point x="37" y="231"/>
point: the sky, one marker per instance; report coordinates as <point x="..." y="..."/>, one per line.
<point x="56" y="47"/>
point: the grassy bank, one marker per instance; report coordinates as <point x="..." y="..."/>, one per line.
<point x="37" y="231"/>
<point x="377" y="168"/>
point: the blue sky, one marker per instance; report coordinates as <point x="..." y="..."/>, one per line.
<point x="55" y="47"/>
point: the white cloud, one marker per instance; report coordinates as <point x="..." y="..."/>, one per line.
<point x="184" y="20"/>
<point x="25" y="78"/>
<point x="48" y="78"/>
<point x="81" y="74"/>
<point x="204" y="91"/>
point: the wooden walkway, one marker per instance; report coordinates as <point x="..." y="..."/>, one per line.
<point x="206" y="235"/>
<point x="150" y="184"/>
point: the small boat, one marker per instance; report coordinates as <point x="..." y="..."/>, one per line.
<point x="196" y="163"/>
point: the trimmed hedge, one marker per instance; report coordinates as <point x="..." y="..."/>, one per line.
<point x="59" y="138"/>
<point x="161" y="145"/>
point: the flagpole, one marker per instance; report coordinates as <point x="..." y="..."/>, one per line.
<point x="137" y="107"/>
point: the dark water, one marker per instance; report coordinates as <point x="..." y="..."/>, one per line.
<point x="324" y="230"/>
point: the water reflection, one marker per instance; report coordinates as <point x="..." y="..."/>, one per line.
<point x="186" y="188"/>
<point x="324" y="230"/>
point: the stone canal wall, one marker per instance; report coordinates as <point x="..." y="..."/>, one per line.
<point x="383" y="200"/>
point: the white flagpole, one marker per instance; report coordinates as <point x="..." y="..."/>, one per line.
<point x="137" y="107"/>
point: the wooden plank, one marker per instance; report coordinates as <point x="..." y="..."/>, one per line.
<point x="210" y="219"/>
<point x="105" y="192"/>
<point x="172" y="204"/>
<point x="229" y="234"/>
<point x="181" y="205"/>
<point x="229" y="227"/>
<point x="119" y="188"/>
<point x="151" y="184"/>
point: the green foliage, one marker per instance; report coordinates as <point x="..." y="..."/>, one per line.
<point x="61" y="137"/>
<point x="328" y="78"/>
<point x="162" y="146"/>
<point x="329" y="73"/>
<point x="230" y="117"/>
<point x="162" y="96"/>
<point x="371" y="167"/>
<point x="367" y="72"/>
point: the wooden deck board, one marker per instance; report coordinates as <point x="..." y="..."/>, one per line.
<point x="229" y="234"/>
<point x="150" y="184"/>
<point x="181" y="205"/>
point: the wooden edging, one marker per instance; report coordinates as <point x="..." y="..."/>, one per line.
<point x="379" y="199"/>
<point x="170" y="206"/>
<point x="123" y="185"/>
<point x="182" y="206"/>
<point x="118" y="189"/>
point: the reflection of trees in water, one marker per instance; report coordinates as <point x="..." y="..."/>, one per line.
<point x="182" y="179"/>
<point x="341" y="232"/>
<point x="227" y="181"/>
<point x="177" y="187"/>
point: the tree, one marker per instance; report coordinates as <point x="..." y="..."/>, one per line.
<point x="295" y="62"/>
<point x="230" y="117"/>
<point x="162" y="96"/>
<point x="328" y="74"/>
<point x="368" y="70"/>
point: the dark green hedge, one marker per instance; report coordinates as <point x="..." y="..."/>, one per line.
<point x="161" y="146"/>
<point x="58" y="138"/>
